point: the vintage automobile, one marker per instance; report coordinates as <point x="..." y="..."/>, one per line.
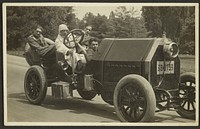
<point x="139" y="76"/>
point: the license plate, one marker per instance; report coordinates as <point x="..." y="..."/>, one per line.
<point x="166" y="67"/>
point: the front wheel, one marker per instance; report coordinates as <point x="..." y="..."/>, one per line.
<point x="134" y="99"/>
<point x="35" y="85"/>
<point x="187" y="94"/>
<point x="107" y="97"/>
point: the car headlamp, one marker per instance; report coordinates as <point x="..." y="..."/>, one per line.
<point x="171" y="50"/>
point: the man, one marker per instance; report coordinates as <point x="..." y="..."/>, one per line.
<point x="93" y="46"/>
<point x="44" y="47"/>
<point x="87" y="36"/>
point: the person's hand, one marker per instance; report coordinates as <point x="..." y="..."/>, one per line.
<point x="69" y="52"/>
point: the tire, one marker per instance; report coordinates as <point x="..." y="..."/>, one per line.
<point x="189" y="92"/>
<point x="28" y="59"/>
<point x="35" y="85"/>
<point x="27" y="54"/>
<point x="134" y="99"/>
<point x="87" y="95"/>
<point x="106" y="98"/>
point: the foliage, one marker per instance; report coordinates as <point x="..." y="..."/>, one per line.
<point x="177" y="22"/>
<point x="120" y="24"/>
<point x="22" y="20"/>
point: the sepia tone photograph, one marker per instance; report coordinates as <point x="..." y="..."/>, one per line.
<point x="101" y="64"/>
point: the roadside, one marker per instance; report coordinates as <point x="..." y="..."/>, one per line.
<point x="184" y="56"/>
<point x="16" y="60"/>
<point x="15" y="53"/>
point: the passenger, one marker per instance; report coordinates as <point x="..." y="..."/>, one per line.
<point x="44" y="47"/>
<point x="93" y="46"/>
<point x="87" y="37"/>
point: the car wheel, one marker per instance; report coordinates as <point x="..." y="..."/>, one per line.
<point x="35" y="85"/>
<point x="134" y="99"/>
<point x="88" y="95"/>
<point x="28" y="59"/>
<point x="187" y="106"/>
<point x="106" y="97"/>
<point x="27" y="55"/>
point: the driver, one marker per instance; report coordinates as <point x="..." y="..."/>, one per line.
<point x="63" y="31"/>
<point x="68" y="51"/>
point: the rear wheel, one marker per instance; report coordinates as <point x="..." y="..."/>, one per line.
<point x="134" y="99"/>
<point x="88" y="95"/>
<point x="28" y="59"/>
<point x="187" y="94"/>
<point x="27" y="55"/>
<point x="35" y="85"/>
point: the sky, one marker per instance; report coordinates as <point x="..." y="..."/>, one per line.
<point x="80" y="11"/>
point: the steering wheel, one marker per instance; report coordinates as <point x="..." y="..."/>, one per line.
<point x="73" y="38"/>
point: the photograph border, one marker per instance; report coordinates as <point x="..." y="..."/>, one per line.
<point x="4" y="5"/>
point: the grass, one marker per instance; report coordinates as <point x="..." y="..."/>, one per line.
<point x="16" y="53"/>
<point x="187" y="61"/>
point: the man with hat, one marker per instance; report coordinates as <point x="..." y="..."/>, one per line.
<point x="44" y="47"/>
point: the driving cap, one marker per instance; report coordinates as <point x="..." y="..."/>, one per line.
<point x="63" y="27"/>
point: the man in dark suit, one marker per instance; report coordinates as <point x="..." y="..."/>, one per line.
<point x="93" y="46"/>
<point x="44" y="47"/>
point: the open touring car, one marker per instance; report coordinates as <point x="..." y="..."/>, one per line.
<point x="139" y="76"/>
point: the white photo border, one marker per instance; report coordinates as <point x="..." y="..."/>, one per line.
<point x="4" y="5"/>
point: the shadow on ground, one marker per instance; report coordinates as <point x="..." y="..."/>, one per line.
<point x="79" y="106"/>
<point x="75" y="105"/>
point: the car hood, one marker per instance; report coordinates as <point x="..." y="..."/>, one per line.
<point x="129" y="49"/>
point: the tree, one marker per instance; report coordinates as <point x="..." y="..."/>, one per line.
<point x="121" y="23"/>
<point x="126" y="24"/>
<point x="99" y="24"/>
<point x="187" y="33"/>
<point x="177" y="22"/>
<point x="153" y="23"/>
<point x="21" y="22"/>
